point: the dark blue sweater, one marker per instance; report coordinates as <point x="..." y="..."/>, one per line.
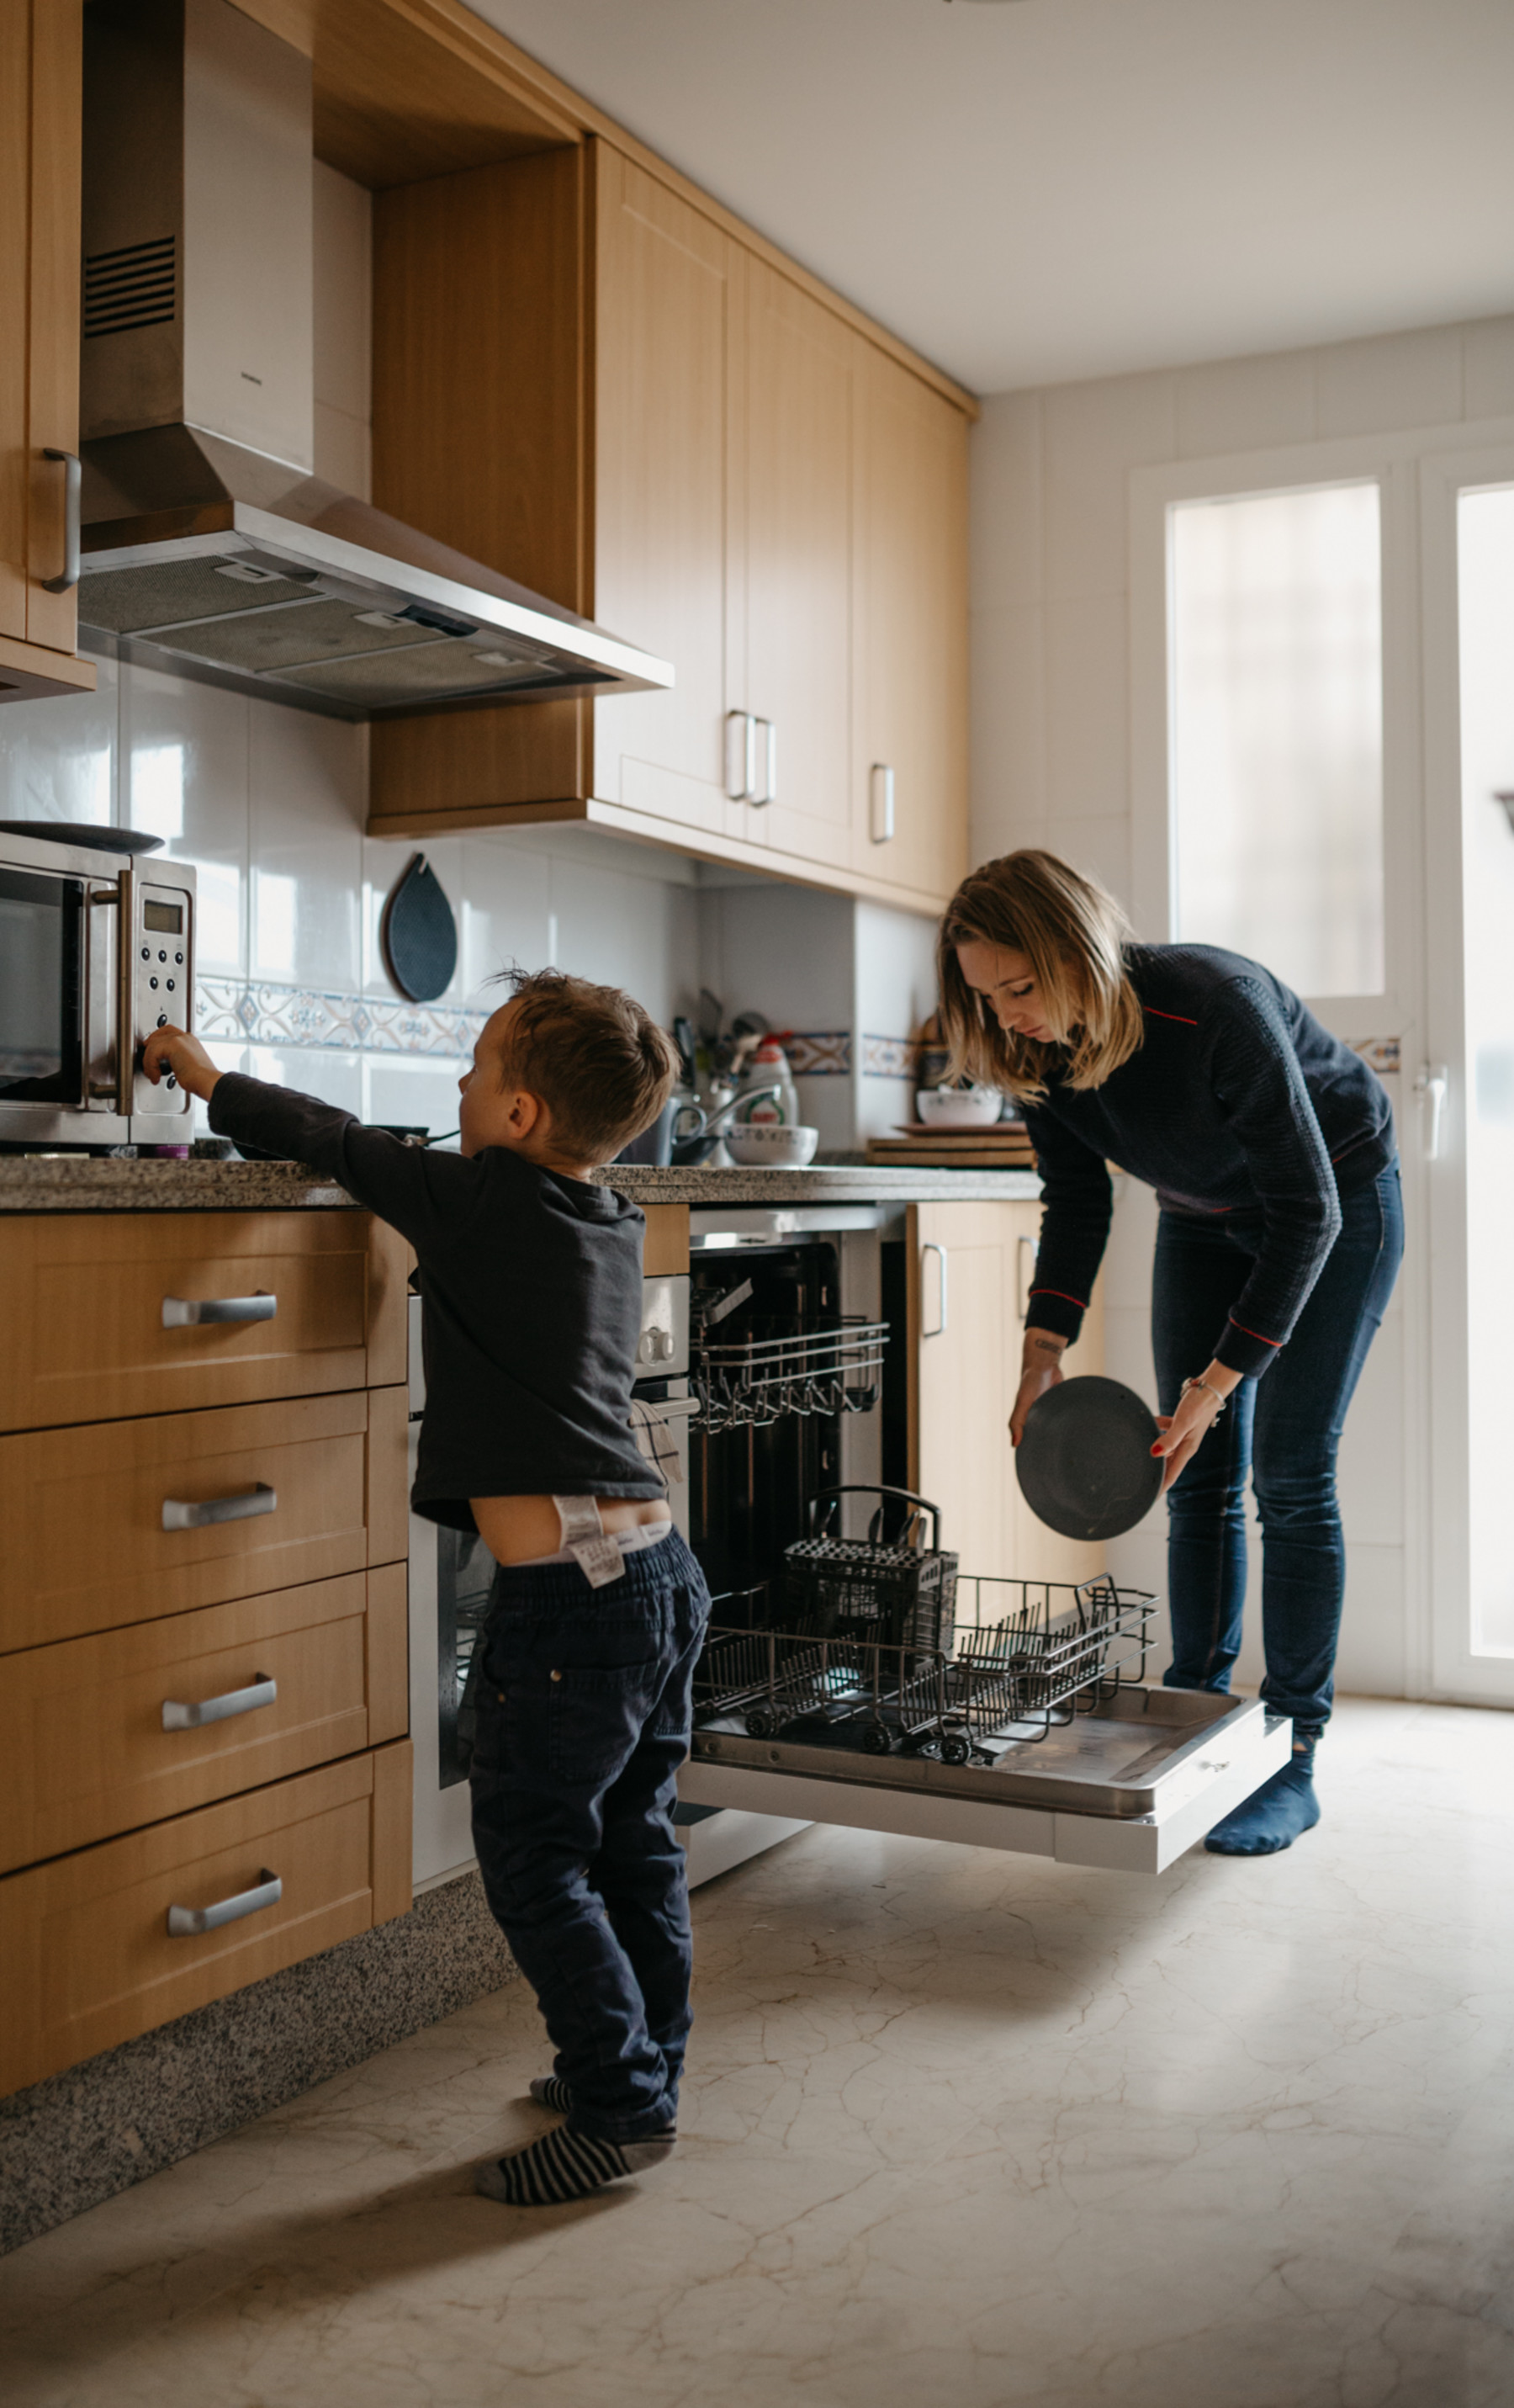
<point x="1237" y="1103"/>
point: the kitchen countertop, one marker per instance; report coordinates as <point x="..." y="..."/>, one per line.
<point x="56" y="1183"/>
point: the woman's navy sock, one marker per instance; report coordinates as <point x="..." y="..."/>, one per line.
<point x="1275" y="1815"/>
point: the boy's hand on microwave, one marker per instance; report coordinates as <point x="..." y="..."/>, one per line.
<point x="174" y="1050"/>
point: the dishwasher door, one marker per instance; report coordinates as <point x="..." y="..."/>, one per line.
<point x="1130" y="1785"/>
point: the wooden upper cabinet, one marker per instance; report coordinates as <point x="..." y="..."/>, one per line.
<point x="41" y="85"/>
<point x="910" y="758"/>
<point x="669" y="295"/>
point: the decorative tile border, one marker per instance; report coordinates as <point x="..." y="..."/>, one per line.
<point x="818" y="1052"/>
<point x="891" y="1057"/>
<point x="265" y="1014"/>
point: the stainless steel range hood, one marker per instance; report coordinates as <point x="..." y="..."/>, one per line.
<point x="209" y="548"/>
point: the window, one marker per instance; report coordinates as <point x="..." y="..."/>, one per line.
<point x="1276" y="617"/>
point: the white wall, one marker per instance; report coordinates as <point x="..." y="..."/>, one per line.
<point x="1051" y="762"/>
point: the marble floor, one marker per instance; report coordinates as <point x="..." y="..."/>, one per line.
<point x="961" y="2127"/>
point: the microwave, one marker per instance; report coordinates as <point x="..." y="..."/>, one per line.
<point x="96" y="949"/>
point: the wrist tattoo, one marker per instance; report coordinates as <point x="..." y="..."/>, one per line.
<point x="1046" y="1346"/>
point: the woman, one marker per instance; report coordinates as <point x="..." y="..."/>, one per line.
<point x="1271" y="1148"/>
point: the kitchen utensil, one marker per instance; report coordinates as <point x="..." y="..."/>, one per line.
<point x="418" y="935"/>
<point x="1084" y="1461"/>
<point x="959" y="1107"/>
<point x="683" y="1037"/>
<point x="653" y="1148"/>
<point x="696" y="1145"/>
<point x="772" y="1145"/>
<point x="85" y="832"/>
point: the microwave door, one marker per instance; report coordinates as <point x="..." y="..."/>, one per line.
<point x="43" y="949"/>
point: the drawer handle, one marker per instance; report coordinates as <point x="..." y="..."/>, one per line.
<point x="185" y="1311"/>
<point x="188" y="1922"/>
<point x="263" y="1692"/>
<point x="180" y="1514"/>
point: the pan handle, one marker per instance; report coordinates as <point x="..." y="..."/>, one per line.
<point x="830" y="1496"/>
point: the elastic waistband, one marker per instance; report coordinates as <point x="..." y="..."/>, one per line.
<point x="648" y="1572"/>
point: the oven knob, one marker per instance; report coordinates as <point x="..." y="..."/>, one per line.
<point x="178" y="957"/>
<point x="668" y="1346"/>
<point x="147" y="953"/>
<point x="170" y="1080"/>
<point x="153" y="981"/>
<point x="163" y="957"/>
<point x="649" y="1350"/>
<point x="169" y="984"/>
<point x="162" y="1020"/>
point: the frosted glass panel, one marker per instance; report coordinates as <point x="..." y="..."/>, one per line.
<point x="1485" y="540"/>
<point x="1277" y="732"/>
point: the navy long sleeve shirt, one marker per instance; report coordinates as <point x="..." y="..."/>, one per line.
<point x="1238" y="1101"/>
<point x="530" y="1289"/>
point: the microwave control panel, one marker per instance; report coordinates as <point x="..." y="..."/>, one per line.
<point x="161" y="985"/>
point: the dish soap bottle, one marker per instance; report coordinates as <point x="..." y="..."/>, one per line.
<point x="768" y="1068"/>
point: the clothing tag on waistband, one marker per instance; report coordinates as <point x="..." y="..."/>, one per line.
<point x="588" y="1543"/>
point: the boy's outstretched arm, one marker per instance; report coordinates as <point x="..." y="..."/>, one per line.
<point x="410" y="1186"/>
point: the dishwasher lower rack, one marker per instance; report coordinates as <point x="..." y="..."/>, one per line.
<point x="1050" y="1650"/>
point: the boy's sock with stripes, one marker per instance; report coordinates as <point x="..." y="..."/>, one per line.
<point x="567" y="2165"/>
<point x="550" y="2090"/>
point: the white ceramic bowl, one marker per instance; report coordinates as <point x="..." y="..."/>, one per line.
<point x="958" y="1107"/>
<point x="770" y="1143"/>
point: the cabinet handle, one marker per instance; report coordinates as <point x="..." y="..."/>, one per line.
<point x="188" y="1922"/>
<point x="1024" y="1273"/>
<point x="177" y="1514"/>
<point x="769" y="749"/>
<point x="1432" y="1086"/>
<point x="740" y="756"/>
<point x="263" y="1692"/>
<point x="930" y="1247"/>
<point x="184" y="1311"/>
<point x="73" y="476"/>
<point x="881" y="801"/>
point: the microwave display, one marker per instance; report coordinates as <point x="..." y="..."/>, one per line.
<point x="41" y="1033"/>
<point x="162" y="919"/>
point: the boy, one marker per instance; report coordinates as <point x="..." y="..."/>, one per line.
<point x="530" y="1277"/>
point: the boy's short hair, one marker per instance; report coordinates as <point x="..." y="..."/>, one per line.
<point x="598" y="1061"/>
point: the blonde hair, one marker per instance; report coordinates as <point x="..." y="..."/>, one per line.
<point x="1073" y="934"/>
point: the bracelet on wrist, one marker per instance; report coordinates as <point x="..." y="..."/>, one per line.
<point x="1209" y="1390"/>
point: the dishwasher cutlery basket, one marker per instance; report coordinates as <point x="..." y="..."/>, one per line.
<point x="898" y="1593"/>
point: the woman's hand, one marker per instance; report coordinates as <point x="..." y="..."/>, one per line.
<point x="1040" y="1369"/>
<point x="175" y="1050"/>
<point x="1184" y="1432"/>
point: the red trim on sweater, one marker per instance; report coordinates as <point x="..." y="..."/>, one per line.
<point x="1062" y="1297"/>
<point x="1152" y="1012"/>
<point x="1251" y="1333"/>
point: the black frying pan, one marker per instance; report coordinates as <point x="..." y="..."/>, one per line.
<point x="1084" y="1460"/>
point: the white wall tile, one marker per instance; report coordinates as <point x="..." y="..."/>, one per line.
<point x="1488" y="367"/>
<point x="184" y="776"/>
<point x="1009" y="726"/>
<point x="1093" y="436"/>
<point x="307" y="791"/>
<point x="504" y="912"/>
<point x="407" y="1092"/>
<point x="1087" y="707"/>
<point x="1245" y="405"/>
<point x="895" y="969"/>
<point x="58" y="757"/>
<point x="311" y="1070"/>
<point x="618" y="932"/>
<point x="1390" y="381"/>
<point x="1007" y="504"/>
<point x="783" y="951"/>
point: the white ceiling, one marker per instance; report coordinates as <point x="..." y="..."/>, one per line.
<point x="1037" y="190"/>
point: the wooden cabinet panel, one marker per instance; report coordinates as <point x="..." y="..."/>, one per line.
<point x="962" y="1378"/>
<point x="911" y="650"/>
<point x="83" y="1750"/>
<point x="795" y="477"/>
<point x="666" y="1248"/>
<point x="89" y="1958"/>
<point x="83" y="1509"/>
<point x="667" y="354"/>
<point x="82" y="1299"/>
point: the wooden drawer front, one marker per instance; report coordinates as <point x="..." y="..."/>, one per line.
<point x="83" y="1750"/>
<point x="85" y="1942"/>
<point x="86" y="1549"/>
<point x="82" y="1298"/>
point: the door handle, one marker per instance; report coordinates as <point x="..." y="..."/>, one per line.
<point x="1432" y="1086"/>
<point x="184" y="1311"/>
<point x="1024" y="1273"/>
<point x="740" y="756"/>
<point x="263" y="1692"/>
<point x="179" y="1514"/>
<point x="882" y="803"/>
<point x="930" y="1247"/>
<point x="188" y="1922"/>
<point x="73" y="477"/>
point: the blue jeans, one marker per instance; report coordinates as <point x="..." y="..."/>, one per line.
<point x="583" y="1720"/>
<point x="1284" y="1428"/>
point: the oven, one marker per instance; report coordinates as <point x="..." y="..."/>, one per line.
<point x="95" y="951"/>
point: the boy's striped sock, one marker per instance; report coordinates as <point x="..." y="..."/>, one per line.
<point x="567" y="2165"/>
<point x="550" y="2090"/>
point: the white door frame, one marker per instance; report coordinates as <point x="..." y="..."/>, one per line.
<point x="1456" y="1671"/>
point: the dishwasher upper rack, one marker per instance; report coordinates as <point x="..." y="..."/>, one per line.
<point x="752" y="1383"/>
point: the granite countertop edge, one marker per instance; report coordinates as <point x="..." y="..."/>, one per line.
<point x="43" y="1184"/>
